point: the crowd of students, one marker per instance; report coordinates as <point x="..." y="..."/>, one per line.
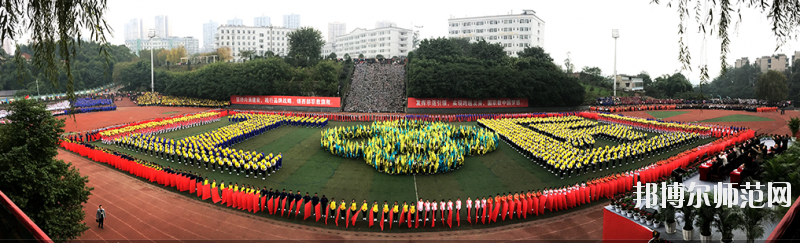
<point x="212" y="150"/>
<point x="410" y="147"/>
<point x="155" y="99"/>
<point x="376" y="88"/>
<point x="622" y="104"/>
<point x="566" y="157"/>
<point x="89" y="102"/>
<point x="424" y="212"/>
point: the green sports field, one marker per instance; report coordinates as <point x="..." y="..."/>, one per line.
<point x="309" y="168"/>
<point x="665" y="114"/>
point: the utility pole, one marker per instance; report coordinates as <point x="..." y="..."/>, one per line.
<point x="615" y="34"/>
<point x="152" y="34"/>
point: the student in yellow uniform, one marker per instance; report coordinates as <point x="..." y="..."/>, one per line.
<point x="375" y="211"/>
<point x="364" y="210"/>
<point x="332" y="208"/>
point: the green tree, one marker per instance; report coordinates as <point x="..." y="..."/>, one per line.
<point x="332" y="56"/>
<point x="568" y="65"/>
<point x="438" y="48"/>
<point x="175" y="54"/>
<point x="675" y="84"/>
<point x="794" y="83"/>
<point x="246" y="54"/>
<point x="646" y="80"/>
<point x="55" y="28"/>
<point x="456" y="68"/>
<point x="49" y="191"/>
<point x="379" y="56"/>
<point x="305" y="46"/>
<point x="735" y="83"/>
<point x="486" y="51"/>
<point x="360" y="56"/>
<point x="535" y="52"/>
<point x="717" y="18"/>
<point x="772" y="86"/>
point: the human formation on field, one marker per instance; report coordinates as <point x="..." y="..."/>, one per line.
<point x="212" y="150"/>
<point x="409" y="146"/>
<point x="543" y="138"/>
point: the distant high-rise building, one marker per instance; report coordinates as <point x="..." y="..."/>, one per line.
<point x="8" y="46"/>
<point x="795" y="57"/>
<point x="191" y="44"/>
<point x="163" y="26"/>
<point x="142" y="31"/>
<point x="385" y="24"/>
<point x="778" y="62"/>
<point x="262" y="21"/>
<point x="741" y="62"/>
<point x="336" y="29"/>
<point x="209" y="29"/>
<point x="514" y="32"/>
<point x="235" y="21"/>
<point x="291" y="21"/>
<point x="133" y="30"/>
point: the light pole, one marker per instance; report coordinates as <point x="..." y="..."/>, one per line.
<point x="615" y="34"/>
<point x="37" y="88"/>
<point x="152" y="34"/>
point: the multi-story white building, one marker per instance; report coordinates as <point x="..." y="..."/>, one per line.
<point x="235" y="21"/>
<point x="385" y="24"/>
<point x="134" y="29"/>
<point x="388" y="42"/>
<point x="336" y="29"/>
<point x="261" y="21"/>
<point x="514" y="32"/>
<point x="291" y="21"/>
<point x="163" y="26"/>
<point x="209" y="29"/>
<point x="258" y="39"/>
<point x="191" y="44"/>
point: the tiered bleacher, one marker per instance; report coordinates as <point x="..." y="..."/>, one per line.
<point x="376" y="87"/>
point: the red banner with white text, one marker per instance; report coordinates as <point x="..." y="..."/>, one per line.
<point x="286" y="100"/>
<point x="466" y="103"/>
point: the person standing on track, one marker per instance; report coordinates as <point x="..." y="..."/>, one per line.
<point x="324" y="205"/>
<point x="101" y="215"/>
<point x="364" y="210"/>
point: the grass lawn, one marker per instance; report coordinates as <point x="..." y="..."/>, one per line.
<point x="665" y="114"/>
<point x="308" y="168"/>
<point x="170" y="112"/>
<point x="737" y="118"/>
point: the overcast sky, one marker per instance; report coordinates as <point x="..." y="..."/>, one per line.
<point x="648" y="32"/>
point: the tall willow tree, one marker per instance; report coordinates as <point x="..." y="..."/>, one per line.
<point x="716" y="18"/>
<point x="55" y="28"/>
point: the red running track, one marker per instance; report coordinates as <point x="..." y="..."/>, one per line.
<point x="138" y="210"/>
<point x="142" y="211"/>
